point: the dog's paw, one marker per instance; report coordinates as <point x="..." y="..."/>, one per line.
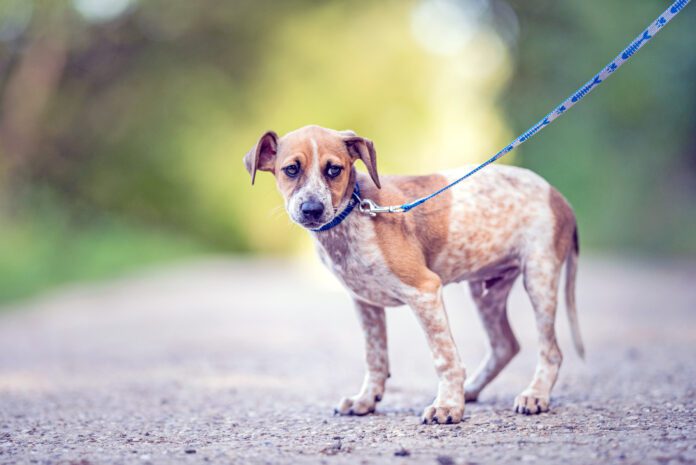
<point x="442" y="414"/>
<point x="470" y="395"/>
<point x="357" y="405"/>
<point x="531" y="404"/>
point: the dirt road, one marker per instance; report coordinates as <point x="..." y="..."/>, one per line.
<point x="242" y="362"/>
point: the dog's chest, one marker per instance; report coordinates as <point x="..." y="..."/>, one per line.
<point x="351" y="252"/>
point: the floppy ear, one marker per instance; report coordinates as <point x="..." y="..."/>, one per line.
<point x="364" y="149"/>
<point x="262" y="155"/>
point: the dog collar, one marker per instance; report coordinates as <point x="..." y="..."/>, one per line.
<point x="338" y="219"/>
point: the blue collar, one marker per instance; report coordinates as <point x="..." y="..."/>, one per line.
<point x="338" y="219"/>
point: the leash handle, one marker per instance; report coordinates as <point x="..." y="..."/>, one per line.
<point x="371" y="208"/>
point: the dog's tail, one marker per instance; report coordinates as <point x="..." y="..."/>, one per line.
<point x="571" y="309"/>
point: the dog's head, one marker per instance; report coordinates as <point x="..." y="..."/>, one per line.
<point x="313" y="167"/>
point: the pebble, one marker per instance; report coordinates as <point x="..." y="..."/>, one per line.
<point x="445" y="460"/>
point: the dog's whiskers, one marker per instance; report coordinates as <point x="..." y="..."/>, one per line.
<point x="276" y="211"/>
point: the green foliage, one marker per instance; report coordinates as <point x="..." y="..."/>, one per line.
<point x="41" y="247"/>
<point x="137" y="125"/>
<point x="626" y="157"/>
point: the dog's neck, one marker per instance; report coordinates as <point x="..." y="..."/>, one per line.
<point x="339" y="246"/>
<point x="338" y="232"/>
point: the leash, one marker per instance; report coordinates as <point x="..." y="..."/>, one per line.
<point x="369" y="207"/>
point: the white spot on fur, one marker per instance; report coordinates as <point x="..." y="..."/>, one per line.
<point x="314" y="188"/>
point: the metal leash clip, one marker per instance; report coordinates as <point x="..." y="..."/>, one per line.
<point x="368" y="207"/>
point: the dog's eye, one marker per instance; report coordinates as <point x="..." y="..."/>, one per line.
<point x="333" y="171"/>
<point x="292" y="171"/>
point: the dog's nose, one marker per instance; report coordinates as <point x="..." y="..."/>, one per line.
<point x="312" y="210"/>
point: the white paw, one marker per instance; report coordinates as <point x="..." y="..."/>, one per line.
<point x="443" y="414"/>
<point x="529" y="403"/>
<point x="357" y="405"/>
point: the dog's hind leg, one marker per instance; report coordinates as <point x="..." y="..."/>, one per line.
<point x="491" y="298"/>
<point x="373" y="323"/>
<point x="541" y="275"/>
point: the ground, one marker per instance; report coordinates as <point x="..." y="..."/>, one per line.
<point x="228" y="361"/>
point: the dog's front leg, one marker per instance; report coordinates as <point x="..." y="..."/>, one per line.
<point x="448" y="406"/>
<point x="373" y="324"/>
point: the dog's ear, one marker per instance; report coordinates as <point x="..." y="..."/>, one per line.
<point x="262" y="155"/>
<point x="364" y="149"/>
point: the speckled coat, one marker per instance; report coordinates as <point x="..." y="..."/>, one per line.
<point x="499" y="224"/>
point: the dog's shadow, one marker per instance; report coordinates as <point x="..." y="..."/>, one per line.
<point x="402" y="405"/>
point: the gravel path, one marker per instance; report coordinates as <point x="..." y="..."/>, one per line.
<point x="241" y="362"/>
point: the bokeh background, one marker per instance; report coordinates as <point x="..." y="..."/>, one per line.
<point x="123" y="122"/>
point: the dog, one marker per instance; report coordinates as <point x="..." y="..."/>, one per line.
<point x="501" y="223"/>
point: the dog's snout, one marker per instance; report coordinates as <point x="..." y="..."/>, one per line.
<point x="312" y="210"/>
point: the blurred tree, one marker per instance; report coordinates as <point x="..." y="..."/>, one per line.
<point x="118" y="114"/>
<point x="31" y="80"/>
<point x="626" y="157"/>
<point x="155" y="107"/>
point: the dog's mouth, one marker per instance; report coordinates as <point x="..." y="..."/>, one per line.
<point x="315" y="223"/>
<point x="311" y="224"/>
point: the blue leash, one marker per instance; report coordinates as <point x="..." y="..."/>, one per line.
<point x="369" y="207"/>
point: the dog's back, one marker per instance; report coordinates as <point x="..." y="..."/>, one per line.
<point x="487" y="222"/>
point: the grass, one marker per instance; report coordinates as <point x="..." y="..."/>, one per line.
<point x="43" y="249"/>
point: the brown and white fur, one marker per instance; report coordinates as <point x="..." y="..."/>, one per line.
<point x="499" y="224"/>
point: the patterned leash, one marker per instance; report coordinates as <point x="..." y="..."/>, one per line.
<point x="367" y="206"/>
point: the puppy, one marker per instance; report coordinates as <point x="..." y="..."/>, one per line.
<point x="499" y="224"/>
